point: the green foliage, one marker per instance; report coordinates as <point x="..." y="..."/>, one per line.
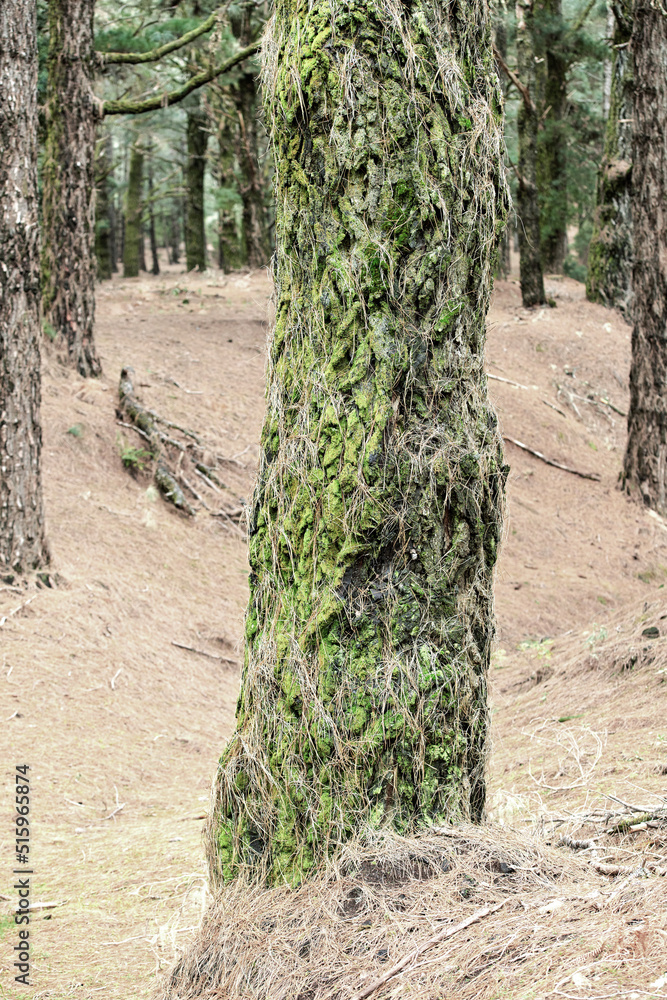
<point x="132" y="458"/>
<point x="76" y="430"/>
<point x="49" y="330"/>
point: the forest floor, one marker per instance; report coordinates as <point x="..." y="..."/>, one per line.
<point x="122" y="728"/>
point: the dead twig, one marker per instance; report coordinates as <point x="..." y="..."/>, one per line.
<point x="202" y="652"/>
<point x="443" y="935"/>
<point x="549" y="461"/>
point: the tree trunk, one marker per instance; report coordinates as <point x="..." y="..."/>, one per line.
<point x="552" y="141"/>
<point x="155" y="263"/>
<point x="376" y="516"/>
<point x="609" y="279"/>
<point x="528" y="208"/>
<point x="645" y="467"/>
<point x="103" y="212"/>
<point x="500" y="32"/>
<point x="174" y="234"/>
<point x="68" y="177"/>
<point x="252" y="183"/>
<point x="22" y="542"/>
<point x="195" y="232"/>
<point x="133" y="214"/>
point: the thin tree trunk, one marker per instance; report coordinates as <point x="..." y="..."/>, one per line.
<point x="552" y="141"/>
<point x="155" y="263"/>
<point x="103" y="212"/>
<point x="22" y="541"/>
<point x="133" y="214"/>
<point x="645" y="466"/>
<point x="68" y="176"/>
<point x="609" y="278"/>
<point x="376" y="516"/>
<point x="174" y="234"/>
<point x="528" y="207"/>
<point x="195" y="232"/>
<point x="252" y="183"/>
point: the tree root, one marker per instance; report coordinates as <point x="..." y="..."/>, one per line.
<point x="173" y="457"/>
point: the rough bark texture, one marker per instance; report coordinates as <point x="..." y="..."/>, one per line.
<point x="376" y="516"/>
<point x="134" y="235"/>
<point x="645" y="467"/>
<point x="552" y="143"/>
<point x="68" y="177"/>
<point x="500" y="33"/>
<point x="609" y="278"/>
<point x="528" y="207"/>
<point x="22" y="542"/>
<point x="195" y="232"/>
<point x="155" y="262"/>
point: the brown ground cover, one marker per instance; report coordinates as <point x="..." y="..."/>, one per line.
<point x="122" y="728"/>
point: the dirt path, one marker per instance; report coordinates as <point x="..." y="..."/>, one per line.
<point x="122" y="729"/>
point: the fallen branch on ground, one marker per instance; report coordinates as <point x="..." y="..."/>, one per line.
<point x="202" y="652"/>
<point x="173" y="449"/>
<point x="436" y="939"/>
<point x="549" y="461"/>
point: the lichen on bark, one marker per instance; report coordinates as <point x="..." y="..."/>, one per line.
<point x="376" y="516"/>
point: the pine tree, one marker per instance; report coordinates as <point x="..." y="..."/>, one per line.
<point x="376" y="517"/>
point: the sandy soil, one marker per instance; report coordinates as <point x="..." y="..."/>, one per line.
<point x="122" y="729"/>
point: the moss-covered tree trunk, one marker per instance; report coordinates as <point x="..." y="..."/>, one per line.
<point x="552" y="141"/>
<point x="528" y="206"/>
<point x="134" y="207"/>
<point x="645" y="467"/>
<point x="68" y="178"/>
<point x="376" y="516"/>
<point x="500" y="34"/>
<point x="195" y="231"/>
<point x="609" y="278"/>
<point x="22" y="542"/>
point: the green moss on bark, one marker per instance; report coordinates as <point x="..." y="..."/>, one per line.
<point x="133" y="214"/>
<point x="376" y="515"/>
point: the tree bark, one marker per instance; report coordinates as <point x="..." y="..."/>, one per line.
<point x="68" y="177"/>
<point x="500" y="32"/>
<point x="133" y="214"/>
<point x="22" y="541"/>
<point x="528" y="206"/>
<point x="552" y="142"/>
<point x="195" y="230"/>
<point x="376" y="517"/>
<point x="609" y="278"/>
<point x="645" y="467"/>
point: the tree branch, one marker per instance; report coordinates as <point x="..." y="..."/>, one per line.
<point x="107" y="58"/>
<point x="174" y="96"/>
<point x="525" y="93"/>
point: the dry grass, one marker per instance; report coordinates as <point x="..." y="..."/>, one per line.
<point x="563" y="928"/>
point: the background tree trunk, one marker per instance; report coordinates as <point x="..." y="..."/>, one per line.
<point x="645" y="467"/>
<point x="155" y="262"/>
<point x="68" y="177"/>
<point x="552" y="144"/>
<point x="528" y="207"/>
<point x="22" y="542"/>
<point x="133" y="214"/>
<point x="252" y="186"/>
<point x="609" y="279"/>
<point x="376" y="516"/>
<point x="195" y="231"/>
<point x="103" y="226"/>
